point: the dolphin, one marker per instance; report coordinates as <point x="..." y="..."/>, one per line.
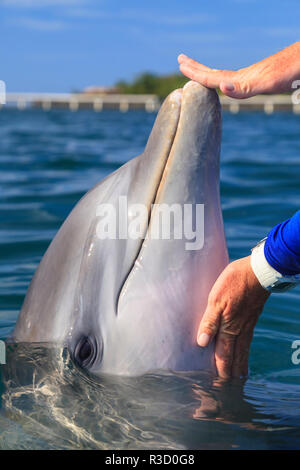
<point x="130" y="305"/>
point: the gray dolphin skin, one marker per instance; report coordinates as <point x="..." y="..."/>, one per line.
<point x="129" y="306"/>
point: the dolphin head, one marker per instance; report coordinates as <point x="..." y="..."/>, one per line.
<point x="125" y="281"/>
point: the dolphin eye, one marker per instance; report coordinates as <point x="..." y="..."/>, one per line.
<point x="85" y="352"/>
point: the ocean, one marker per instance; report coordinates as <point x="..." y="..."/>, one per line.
<point x="48" y="160"/>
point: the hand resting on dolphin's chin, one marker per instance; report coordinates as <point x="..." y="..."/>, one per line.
<point x="234" y="305"/>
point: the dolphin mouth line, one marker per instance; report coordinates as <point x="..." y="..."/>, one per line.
<point x="160" y="185"/>
<point x="164" y="171"/>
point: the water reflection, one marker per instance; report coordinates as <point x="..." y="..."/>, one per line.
<point x="48" y="403"/>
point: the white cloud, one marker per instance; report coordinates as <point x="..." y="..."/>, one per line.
<point x="142" y="16"/>
<point x="40" y="3"/>
<point x="171" y="19"/>
<point x="244" y="1"/>
<point x="186" y="20"/>
<point x="88" y="13"/>
<point x="197" y="37"/>
<point x="282" y="32"/>
<point x="40" y="24"/>
<point x="278" y="32"/>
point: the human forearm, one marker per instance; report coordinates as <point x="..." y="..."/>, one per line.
<point x="276" y="73"/>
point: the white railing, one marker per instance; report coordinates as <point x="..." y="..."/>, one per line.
<point x="75" y="101"/>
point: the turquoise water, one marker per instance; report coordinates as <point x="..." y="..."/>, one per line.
<point x="48" y="160"/>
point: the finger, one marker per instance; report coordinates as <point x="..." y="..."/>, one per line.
<point x="183" y="59"/>
<point x="209" y="325"/>
<point x="211" y="78"/>
<point x="241" y="354"/>
<point x="228" y="88"/>
<point x="208" y="79"/>
<point x="224" y="352"/>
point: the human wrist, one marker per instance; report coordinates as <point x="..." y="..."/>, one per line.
<point x="268" y="277"/>
<point x="264" y="272"/>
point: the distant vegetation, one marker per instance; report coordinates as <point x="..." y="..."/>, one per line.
<point x="160" y="85"/>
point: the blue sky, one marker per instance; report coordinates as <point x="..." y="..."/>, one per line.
<point x="60" y="45"/>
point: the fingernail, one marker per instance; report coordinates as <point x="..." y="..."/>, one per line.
<point x="229" y="86"/>
<point x="203" y="340"/>
<point x="182" y="57"/>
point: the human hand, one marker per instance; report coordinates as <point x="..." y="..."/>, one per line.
<point x="274" y="74"/>
<point x="234" y="305"/>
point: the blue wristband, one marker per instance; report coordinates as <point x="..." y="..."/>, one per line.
<point x="282" y="247"/>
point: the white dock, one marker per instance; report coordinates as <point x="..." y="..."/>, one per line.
<point x="267" y="103"/>
<point x="150" y="103"/>
<point x="76" y="101"/>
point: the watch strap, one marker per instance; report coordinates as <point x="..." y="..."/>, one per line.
<point x="265" y="273"/>
<point x="268" y="277"/>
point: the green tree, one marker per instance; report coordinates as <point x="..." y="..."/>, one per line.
<point x="153" y="84"/>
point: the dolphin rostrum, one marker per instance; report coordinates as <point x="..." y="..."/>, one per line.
<point x="128" y="305"/>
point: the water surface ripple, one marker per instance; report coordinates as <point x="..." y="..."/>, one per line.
<point x="48" y="160"/>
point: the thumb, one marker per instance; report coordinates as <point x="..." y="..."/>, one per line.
<point x="228" y="88"/>
<point x="209" y="325"/>
<point x="237" y="89"/>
